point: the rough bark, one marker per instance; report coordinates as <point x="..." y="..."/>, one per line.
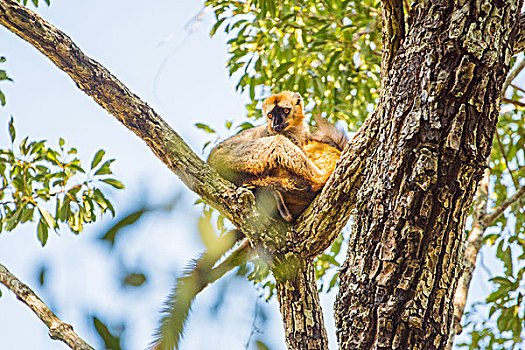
<point x="393" y="33"/>
<point x="299" y="304"/>
<point x="439" y="112"/>
<point x="519" y="43"/>
<point x="58" y="330"/>
<point x="474" y="241"/>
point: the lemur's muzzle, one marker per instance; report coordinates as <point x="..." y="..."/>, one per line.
<point x="279" y="123"/>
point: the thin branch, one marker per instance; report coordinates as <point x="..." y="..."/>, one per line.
<point x="517" y="103"/>
<point x="517" y="87"/>
<point x="505" y="158"/>
<point x="511" y="76"/>
<point x="58" y="330"/>
<point x="489" y="219"/>
<point x="254" y="328"/>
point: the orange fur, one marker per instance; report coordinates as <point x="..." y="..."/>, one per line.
<point x="324" y="156"/>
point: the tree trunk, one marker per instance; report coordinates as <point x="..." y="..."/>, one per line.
<point x="300" y="307"/>
<point x="438" y="110"/>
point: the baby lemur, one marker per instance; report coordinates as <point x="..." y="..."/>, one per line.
<point x="282" y="156"/>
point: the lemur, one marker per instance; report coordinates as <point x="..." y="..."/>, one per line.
<point x="282" y="157"/>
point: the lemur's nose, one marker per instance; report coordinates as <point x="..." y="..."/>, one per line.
<point x="278" y="128"/>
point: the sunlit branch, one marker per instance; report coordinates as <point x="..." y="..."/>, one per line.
<point x="489" y="219"/>
<point x="517" y="103"/>
<point x="58" y="330"/>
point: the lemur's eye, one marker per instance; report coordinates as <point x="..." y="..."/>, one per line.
<point x="287" y="110"/>
<point x="270" y="115"/>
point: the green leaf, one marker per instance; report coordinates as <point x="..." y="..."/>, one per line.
<point x="111" y="341"/>
<point x="65" y="210"/>
<point x="27" y="214"/>
<point x="12" y="131"/>
<point x="134" y="280"/>
<point x="261" y="345"/>
<point x="75" y="222"/>
<point x="98" y="157"/>
<point x="115" y="183"/>
<point x="42" y="232"/>
<point x="205" y="127"/>
<point x="2" y="98"/>
<point x="111" y="234"/>
<point x="47" y="217"/>
<point x="104" y="169"/>
<point x="502" y="281"/>
<point x="103" y="202"/>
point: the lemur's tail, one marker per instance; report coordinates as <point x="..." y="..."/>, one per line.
<point x="328" y="133"/>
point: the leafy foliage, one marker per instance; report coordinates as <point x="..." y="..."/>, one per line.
<point x="50" y="187"/>
<point x="328" y="50"/>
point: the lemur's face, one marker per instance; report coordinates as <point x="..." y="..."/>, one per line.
<point x="283" y="111"/>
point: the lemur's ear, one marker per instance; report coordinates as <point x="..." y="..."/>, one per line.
<point x="298" y="98"/>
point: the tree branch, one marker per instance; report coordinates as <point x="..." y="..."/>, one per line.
<point x="482" y="220"/>
<point x="322" y="222"/>
<point x="516" y="103"/>
<point x="58" y="330"/>
<point x="238" y="205"/>
<point x="512" y="75"/>
<point x="489" y="219"/>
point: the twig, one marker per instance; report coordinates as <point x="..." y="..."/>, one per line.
<point x="517" y="87"/>
<point x="58" y="330"/>
<point x="514" y="102"/>
<point x="484" y="266"/>
<point x="514" y="180"/>
<point x="490" y="218"/>
<point x="254" y="328"/>
<point x="512" y="75"/>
